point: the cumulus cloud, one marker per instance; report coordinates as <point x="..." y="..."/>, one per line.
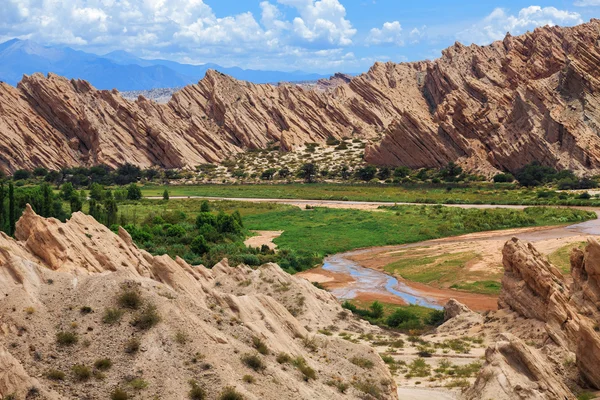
<point x="185" y="30"/>
<point x="499" y="22"/>
<point x="390" y="33"/>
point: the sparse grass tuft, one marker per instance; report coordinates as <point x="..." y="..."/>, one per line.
<point x="147" y="318"/>
<point x="67" y="338"/>
<point x="103" y="364"/>
<point x="283" y="358"/>
<point x="253" y="361"/>
<point x="119" y="394"/>
<point x="81" y="372"/>
<point x="229" y="393"/>
<point x="260" y="346"/>
<point x="307" y="372"/>
<point x="196" y="392"/>
<point x="362" y="362"/>
<point x="112" y="316"/>
<point x="248" y="379"/>
<point x="55" y="375"/>
<point x="132" y="346"/>
<point x="131" y="299"/>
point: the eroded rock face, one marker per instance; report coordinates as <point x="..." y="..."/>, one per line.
<point x="496" y="107"/>
<point x="514" y="370"/>
<point x="535" y="289"/>
<point x="208" y="319"/>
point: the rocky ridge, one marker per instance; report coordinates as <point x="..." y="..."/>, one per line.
<point x="63" y="277"/>
<point x="497" y="107"/>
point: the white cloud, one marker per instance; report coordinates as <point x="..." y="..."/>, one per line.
<point x="390" y="33"/>
<point x="187" y="30"/>
<point x="499" y="22"/>
<point x="587" y="3"/>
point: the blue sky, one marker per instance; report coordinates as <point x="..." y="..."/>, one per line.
<point x="311" y="35"/>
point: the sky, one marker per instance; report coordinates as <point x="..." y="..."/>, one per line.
<point x="322" y="36"/>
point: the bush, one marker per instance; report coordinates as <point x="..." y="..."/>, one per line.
<point x="133" y="192"/>
<point x="504" y="178"/>
<point x="283" y="358"/>
<point x="229" y="393"/>
<point x="112" y="316"/>
<point x="81" y="372"/>
<point x="119" y="394"/>
<point x="260" y="346"/>
<point x="196" y="392"/>
<point x="306" y="371"/>
<point x="86" y="310"/>
<point x="55" y="375"/>
<point x="400" y="316"/>
<point x="138" y="384"/>
<point x="146" y="319"/>
<point x="103" y="364"/>
<point x="130" y="299"/>
<point x="132" y="346"/>
<point x="248" y="379"/>
<point x="199" y="245"/>
<point x="67" y="338"/>
<point x="253" y="361"/>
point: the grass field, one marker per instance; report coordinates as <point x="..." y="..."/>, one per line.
<point x="561" y="257"/>
<point x="324" y="231"/>
<point x="481" y="193"/>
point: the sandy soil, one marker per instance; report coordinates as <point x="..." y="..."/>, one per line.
<point x="263" y="238"/>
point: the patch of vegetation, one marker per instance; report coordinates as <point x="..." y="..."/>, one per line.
<point x="419" y="368"/>
<point x="283" y="358"/>
<point x="147" y="318"/>
<point x="229" y="393"/>
<point x="260" y="346"/>
<point x="369" y="387"/>
<point x="196" y="392"/>
<point x="484" y="287"/>
<point x="103" y="364"/>
<point x="248" y="379"/>
<point x="130" y="298"/>
<point x="403" y="318"/>
<point x="55" y="375"/>
<point x="119" y="394"/>
<point x="307" y="372"/>
<point x="65" y="338"/>
<point x="132" y="346"/>
<point x="112" y="316"/>
<point x="253" y="361"/>
<point x="81" y="372"/>
<point x="138" y="383"/>
<point x="561" y="257"/>
<point x="362" y="362"/>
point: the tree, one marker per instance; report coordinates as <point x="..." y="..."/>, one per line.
<point x="95" y="210"/>
<point x="366" y="173"/>
<point x="133" y="192"/>
<point x="308" y="172"/>
<point x="451" y="171"/>
<point x="76" y="204"/>
<point x="111" y="209"/>
<point x="204" y="207"/>
<point x="11" y="209"/>
<point x="384" y="173"/>
<point x="199" y="245"/>
<point x="268" y="174"/>
<point x="401" y="172"/>
<point x="47" y="200"/>
<point x="400" y="316"/>
<point x="166" y="195"/>
<point x="504" y="178"/>
<point x="21" y="174"/>
<point x="284" y="172"/>
<point x="66" y="191"/>
<point x="40" y="171"/>
<point x="376" y="310"/>
<point x="535" y="174"/>
<point x="96" y="192"/>
<point x="345" y="172"/>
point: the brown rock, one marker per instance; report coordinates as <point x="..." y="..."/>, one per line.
<point x="526" y="98"/>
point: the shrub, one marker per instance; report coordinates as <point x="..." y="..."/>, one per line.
<point x="146" y="319"/>
<point x="132" y="346"/>
<point x="504" y="178"/>
<point x="181" y="337"/>
<point x="103" y="364"/>
<point x="112" y="316"/>
<point x="229" y="393"/>
<point x="81" y="372"/>
<point x="130" y="299"/>
<point x="283" y="358"/>
<point x="248" y="379"/>
<point x="362" y="362"/>
<point x="86" y="310"/>
<point x="196" y="392"/>
<point x="119" y="394"/>
<point x="260" y="346"/>
<point x="67" y="338"/>
<point x="133" y="192"/>
<point x="368" y="387"/>
<point x="253" y="361"/>
<point x="400" y="316"/>
<point x="55" y="375"/>
<point x="376" y="310"/>
<point x="138" y="384"/>
<point x="176" y="231"/>
<point x="199" y="245"/>
<point x="306" y="371"/>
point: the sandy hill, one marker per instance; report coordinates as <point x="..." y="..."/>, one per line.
<point x="74" y="294"/>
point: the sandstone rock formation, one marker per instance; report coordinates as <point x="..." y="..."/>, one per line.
<point x="496" y="107"/>
<point x="64" y="276"/>
<point x="534" y="289"/>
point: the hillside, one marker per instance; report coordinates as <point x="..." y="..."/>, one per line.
<point x="497" y="107"/>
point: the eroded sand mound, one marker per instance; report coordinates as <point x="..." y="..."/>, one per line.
<point x="61" y="278"/>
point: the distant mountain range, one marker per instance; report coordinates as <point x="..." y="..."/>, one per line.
<point x="119" y="69"/>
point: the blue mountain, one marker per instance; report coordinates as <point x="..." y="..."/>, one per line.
<point x="119" y="69"/>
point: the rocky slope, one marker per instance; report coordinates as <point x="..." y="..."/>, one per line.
<point x="61" y="278"/>
<point x="496" y="107"/>
<point x="559" y="353"/>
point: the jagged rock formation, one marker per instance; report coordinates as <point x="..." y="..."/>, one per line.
<point x="526" y="98"/>
<point x="208" y="321"/>
<point x="534" y="289"/>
